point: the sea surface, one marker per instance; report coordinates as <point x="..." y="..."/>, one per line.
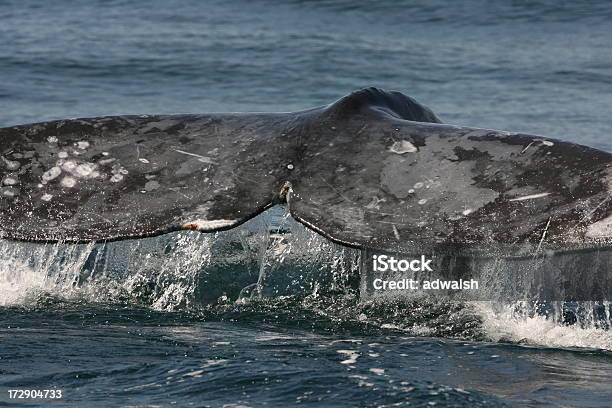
<point x="269" y="314"/>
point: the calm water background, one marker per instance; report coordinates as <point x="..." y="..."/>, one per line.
<point x="541" y="67"/>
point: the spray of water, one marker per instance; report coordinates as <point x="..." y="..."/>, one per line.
<point x="580" y="324"/>
<point x="130" y="271"/>
<point x="272" y="257"/>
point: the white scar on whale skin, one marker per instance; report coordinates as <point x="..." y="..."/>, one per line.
<point x="206" y="225"/>
<point x="9" y="181"/>
<point x="51" y="174"/>
<point x="403" y="147"/>
<point x="396" y="232"/>
<point x="201" y="158"/>
<point x="11" y="164"/>
<point x="530" y="197"/>
<point x="600" y="229"/>
<point x="543" y="142"/>
<point x="68" y="182"/>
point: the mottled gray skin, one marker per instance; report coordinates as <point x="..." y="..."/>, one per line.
<point x="374" y="169"/>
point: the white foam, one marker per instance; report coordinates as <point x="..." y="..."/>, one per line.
<point x="352" y="356"/>
<point x="17" y="281"/>
<point x="28" y="270"/>
<point x="505" y="323"/>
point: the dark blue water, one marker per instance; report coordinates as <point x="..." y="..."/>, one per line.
<point x="143" y="331"/>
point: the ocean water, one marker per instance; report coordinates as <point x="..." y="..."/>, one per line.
<point x="269" y="314"/>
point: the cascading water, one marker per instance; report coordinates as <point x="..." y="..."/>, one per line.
<point x="272" y="257"/>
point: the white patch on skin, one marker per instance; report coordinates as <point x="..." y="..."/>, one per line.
<point x="9" y="192"/>
<point x="290" y="166"/>
<point x="530" y="197"/>
<point x="206" y="225"/>
<point x="542" y="142"/>
<point x="62" y="155"/>
<point x="118" y="172"/>
<point x="152" y="185"/>
<point x="46" y="197"/>
<point x="527" y="147"/>
<point x="467" y="212"/>
<point x="85" y="170"/>
<point x="52" y="139"/>
<point x="69" y="166"/>
<point x="422" y="201"/>
<point x="396" y="232"/>
<point x="546" y="143"/>
<point x="9" y="181"/>
<point x="106" y="161"/>
<point x="51" y="174"/>
<point x="145" y="161"/>
<point x="11" y="164"/>
<point x="375" y="203"/>
<point x="402" y="147"/>
<point x="201" y="158"/>
<point x="82" y="145"/>
<point x="68" y="182"/>
<point x="411" y="191"/>
<point x="600" y="229"/>
<point x="105" y="153"/>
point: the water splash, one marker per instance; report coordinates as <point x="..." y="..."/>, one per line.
<point x="271" y="255"/>
<point x="273" y="266"/>
<point x="27" y="269"/>
<point x="581" y="324"/>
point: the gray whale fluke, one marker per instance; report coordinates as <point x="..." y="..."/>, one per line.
<point x="375" y="169"/>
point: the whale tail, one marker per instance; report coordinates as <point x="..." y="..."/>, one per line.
<point x="375" y="170"/>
